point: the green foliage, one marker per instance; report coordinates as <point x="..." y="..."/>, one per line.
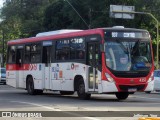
<point x="54" y="17"/>
<point x="25" y="18"/>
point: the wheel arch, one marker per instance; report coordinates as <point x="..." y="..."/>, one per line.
<point x="77" y="79"/>
<point x="27" y="79"/>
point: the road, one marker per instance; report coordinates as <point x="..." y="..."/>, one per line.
<point x="69" y="106"/>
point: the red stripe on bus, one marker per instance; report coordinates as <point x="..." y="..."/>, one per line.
<point x="65" y="35"/>
<point x="14" y="67"/>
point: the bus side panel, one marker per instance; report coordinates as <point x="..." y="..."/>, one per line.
<point x="63" y="74"/>
<point x="108" y="86"/>
<point x="69" y="71"/>
<point x="11" y="75"/>
<point x="35" y="70"/>
<point x="39" y="76"/>
<point x="55" y="81"/>
<point x="21" y="82"/>
<point x="11" y="78"/>
<point x="100" y="89"/>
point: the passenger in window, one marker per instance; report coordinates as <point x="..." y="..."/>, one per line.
<point x="66" y="55"/>
<point x="27" y="58"/>
<point x="33" y="59"/>
<point x="81" y="55"/>
<point x="141" y="62"/>
<point x="63" y="58"/>
<point x="13" y="56"/>
<point x="20" y="61"/>
<point x="124" y="64"/>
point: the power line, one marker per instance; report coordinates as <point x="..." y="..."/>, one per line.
<point x="77" y="13"/>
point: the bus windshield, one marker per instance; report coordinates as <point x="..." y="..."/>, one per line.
<point x="128" y="55"/>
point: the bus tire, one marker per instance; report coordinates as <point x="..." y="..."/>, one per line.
<point x="148" y="92"/>
<point x="30" y="86"/>
<point x="122" y="95"/>
<point x="81" y="91"/>
<point x="66" y="92"/>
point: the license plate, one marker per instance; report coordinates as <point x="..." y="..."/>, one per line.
<point x="132" y="89"/>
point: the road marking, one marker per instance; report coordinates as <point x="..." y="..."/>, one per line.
<point x="91" y="118"/>
<point x="50" y="108"/>
<point x="145" y="97"/>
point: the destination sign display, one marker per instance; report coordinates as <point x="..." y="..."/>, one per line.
<point x="126" y="34"/>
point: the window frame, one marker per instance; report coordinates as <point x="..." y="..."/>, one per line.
<point x="69" y="46"/>
<point x="30" y="53"/>
<point x="11" y="62"/>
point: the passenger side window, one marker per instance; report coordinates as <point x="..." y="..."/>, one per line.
<point x="33" y="53"/>
<point x="73" y="48"/>
<point x="11" y="54"/>
<point x="27" y="54"/>
<point x="62" y="50"/>
<point x="77" y="47"/>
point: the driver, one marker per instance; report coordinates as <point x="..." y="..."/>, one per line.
<point x="124" y="64"/>
<point x="141" y="62"/>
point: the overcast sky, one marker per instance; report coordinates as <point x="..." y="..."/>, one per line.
<point x="1" y="3"/>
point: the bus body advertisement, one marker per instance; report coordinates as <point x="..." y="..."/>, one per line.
<point x="103" y="60"/>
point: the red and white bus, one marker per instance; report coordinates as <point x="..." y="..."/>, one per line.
<point x="104" y="60"/>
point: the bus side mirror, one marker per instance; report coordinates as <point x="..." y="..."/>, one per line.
<point x="101" y="47"/>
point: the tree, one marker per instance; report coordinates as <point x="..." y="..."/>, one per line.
<point x="54" y="16"/>
<point x="25" y="18"/>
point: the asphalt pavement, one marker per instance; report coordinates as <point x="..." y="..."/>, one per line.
<point x="100" y="107"/>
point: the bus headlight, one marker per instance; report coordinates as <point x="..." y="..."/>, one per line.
<point x="109" y="78"/>
<point x="151" y="78"/>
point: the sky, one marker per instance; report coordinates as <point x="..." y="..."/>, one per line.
<point x="1" y="3"/>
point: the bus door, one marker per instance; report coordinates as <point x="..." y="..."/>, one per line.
<point x="19" y="67"/>
<point x="46" y="59"/>
<point x="92" y="62"/>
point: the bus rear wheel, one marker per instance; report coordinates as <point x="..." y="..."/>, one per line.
<point x="30" y="86"/>
<point x="81" y="91"/>
<point x="122" y="95"/>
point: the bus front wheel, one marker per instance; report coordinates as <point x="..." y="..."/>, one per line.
<point x="81" y="91"/>
<point x="148" y="92"/>
<point x="122" y="95"/>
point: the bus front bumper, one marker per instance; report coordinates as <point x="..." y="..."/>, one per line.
<point x="111" y="87"/>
